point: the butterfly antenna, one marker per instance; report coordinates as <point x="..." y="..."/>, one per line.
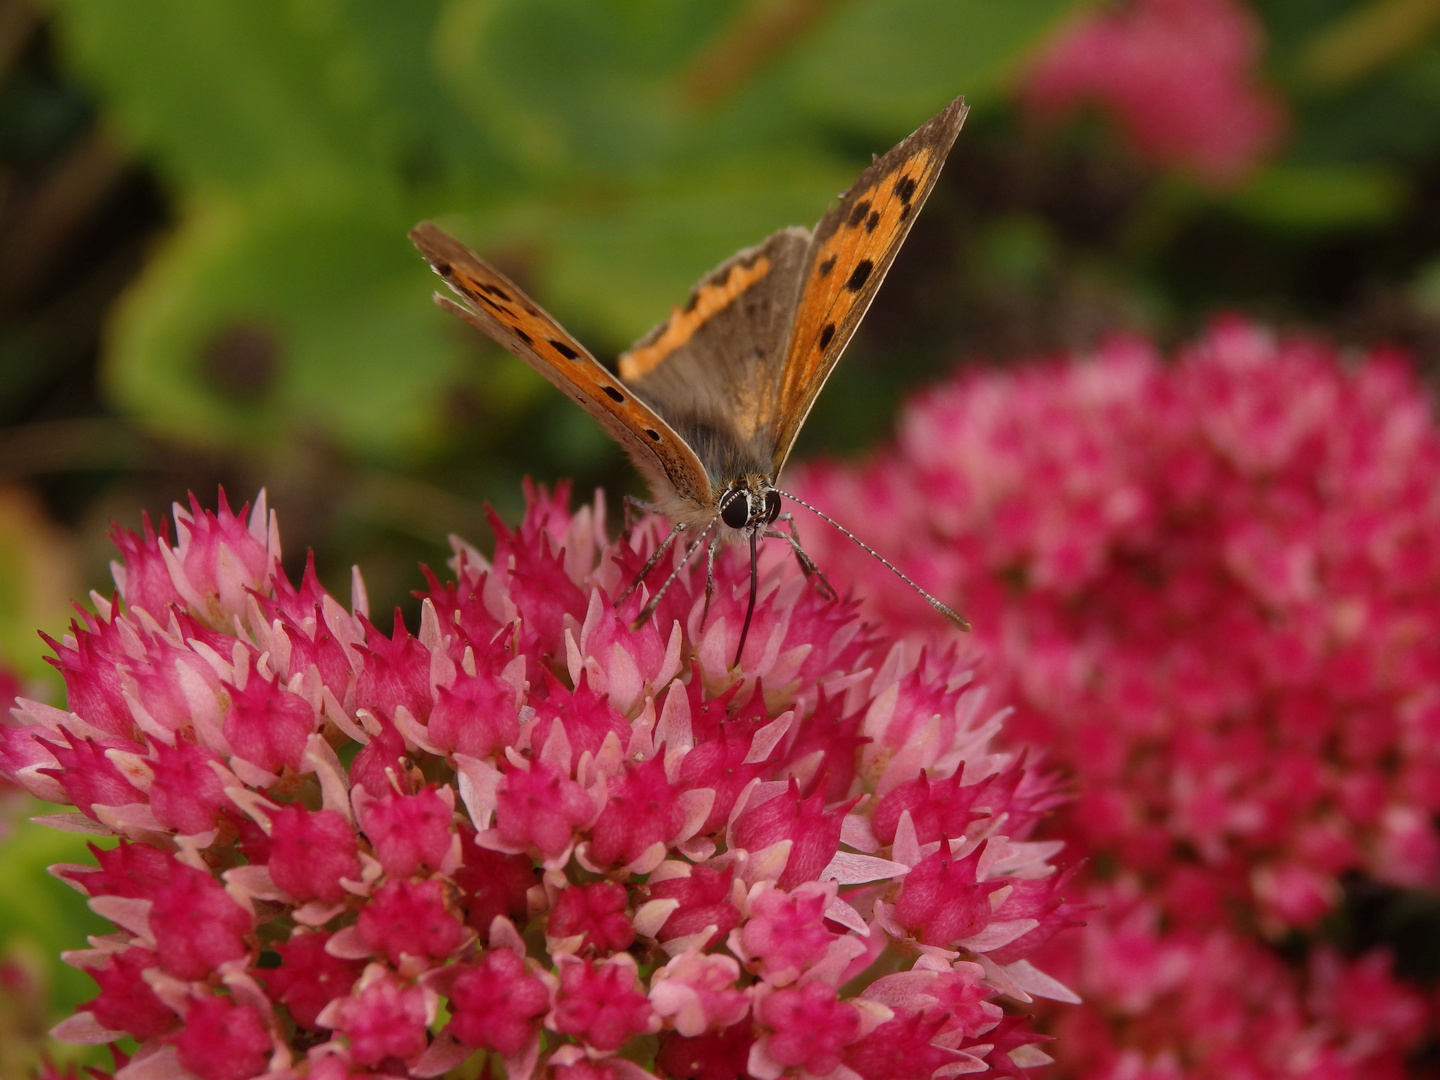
<point x="754" y="589"/>
<point x="649" y="608"/>
<point x="944" y="609"/>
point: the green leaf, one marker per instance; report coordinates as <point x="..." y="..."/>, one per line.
<point x="1322" y="197"/>
<point x="260" y="324"/>
<point x="227" y="93"/>
<point x="42" y="913"/>
<point x="887" y="65"/>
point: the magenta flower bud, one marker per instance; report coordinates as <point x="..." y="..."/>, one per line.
<point x="492" y="884"/>
<point x="496" y="1003"/>
<point x="197" y="926"/>
<point x="809" y="1027"/>
<point x="409" y="831"/>
<point x="475" y="715"/>
<point x="311" y="852"/>
<point x="602" y="1005"/>
<point x="385" y="1018"/>
<point x="702" y="898"/>
<point x="539" y="807"/>
<point x="90" y="778"/>
<point x="410" y="918"/>
<point x="813" y="829"/>
<point x="594" y="914"/>
<point x="309" y="977"/>
<point x="267" y="725"/>
<point x="941" y="902"/>
<point x="643" y="810"/>
<point x="223" y="1040"/>
<point x="147" y="582"/>
<point x="187" y="794"/>
<point x="126" y="1002"/>
<point x="395" y="673"/>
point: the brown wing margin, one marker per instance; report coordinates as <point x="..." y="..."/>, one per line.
<point x="496" y="306"/>
<point x="854" y="245"/>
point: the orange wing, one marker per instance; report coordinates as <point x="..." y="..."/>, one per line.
<point x="494" y="304"/>
<point x="854" y="245"/>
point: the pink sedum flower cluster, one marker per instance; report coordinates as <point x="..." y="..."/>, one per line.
<point x="1212" y="588"/>
<point x="1178" y="76"/>
<point x="531" y="832"/>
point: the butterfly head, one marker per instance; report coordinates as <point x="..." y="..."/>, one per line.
<point x="750" y="504"/>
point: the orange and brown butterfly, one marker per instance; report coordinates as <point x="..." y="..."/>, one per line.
<point x="710" y="402"/>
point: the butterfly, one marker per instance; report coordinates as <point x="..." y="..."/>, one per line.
<point x="709" y="403"/>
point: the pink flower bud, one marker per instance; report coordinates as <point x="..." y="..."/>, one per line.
<point x="197" y="926"/>
<point x="126" y="1002"/>
<point x="395" y="673"/>
<point x="311" y="852"/>
<point x="187" y="793"/>
<point x="603" y="1005"/>
<point x="812" y="829"/>
<point x="642" y="810"/>
<point x="809" y="1027"/>
<point x="385" y="1018"/>
<point x="539" y="807"/>
<point x="223" y="1040"/>
<point x="410" y="918"/>
<point x="309" y="978"/>
<point x="267" y="724"/>
<point x="495" y="1004"/>
<point x="786" y="932"/>
<point x="596" y="914"/>
<point x="941" y="902"/>
<point x="409" y="831"/>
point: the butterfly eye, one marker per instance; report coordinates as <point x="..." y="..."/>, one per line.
<point x="772" y="506"/>
<point x="736" y="512"/>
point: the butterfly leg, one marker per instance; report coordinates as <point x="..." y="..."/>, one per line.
<point x="660" y="550"/>
<point x="631" y="504"/>
<point x="649" y="609"/>
<point x="807" y="564"/>
<point x="709" y="578"/>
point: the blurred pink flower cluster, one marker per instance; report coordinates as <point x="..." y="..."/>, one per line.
<point x="1212" y="589"/>
<point x="588" y="851"/>
<point x="1179" y="77"/>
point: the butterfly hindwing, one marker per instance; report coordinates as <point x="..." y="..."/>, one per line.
<point x="495" y="305"/>
<point x="852" y="250"/>
<point x="712" y="366"/>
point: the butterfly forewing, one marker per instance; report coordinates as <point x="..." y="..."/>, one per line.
<point x="495" y="305"/>
<point x="852" y="249"/>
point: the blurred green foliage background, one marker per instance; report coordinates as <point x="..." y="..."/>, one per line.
<point x="204" y="276"/>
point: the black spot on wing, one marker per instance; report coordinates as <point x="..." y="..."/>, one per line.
<point x="523" y="336"/>
<point x="905" y="189"/>
<point x="860" y="275"/>
<point x="444" y="269"/>
<point x="857" y="215"/>
<point x="613" y="394"/>
<point x="826" y="266"/>
<point x="904" y="211"/>
<point x="872" y="221"/>
<point x="563" y="349"/>
<point x="826" y="333"/>
<point x="495" y="290"/>
<point x="653" y="434"/>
